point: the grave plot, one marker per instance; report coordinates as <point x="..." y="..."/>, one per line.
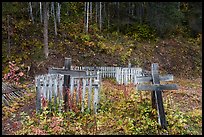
<point x="68" y="86"/>
<point x="78" y="88"/>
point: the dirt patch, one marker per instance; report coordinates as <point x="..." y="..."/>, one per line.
<point x="188" y="97"/>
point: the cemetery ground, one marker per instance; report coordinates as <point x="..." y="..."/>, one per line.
<point x="123" y="110"/>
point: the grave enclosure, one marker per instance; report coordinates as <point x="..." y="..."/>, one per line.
<point x="79" y="87"/>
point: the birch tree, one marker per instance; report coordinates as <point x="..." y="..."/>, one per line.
<point x="58" y="12"/>
<point x="96" y="16"/>
<point x="31" y="12"/>
<point x="108" y="15"/>
<point x="45" y="33"/>
<point x="90" y="10"/>
<point x="118" y="7"/>
<point x="87" y="16"/>
<point x="54" y="18"/>
<point x="100" y="16"/>
<point x="48" y="12"/>
<point x="41" y="12"/>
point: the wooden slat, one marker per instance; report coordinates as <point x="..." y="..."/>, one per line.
<point x="71" y="91"/>
<point x="61" y="81"/>
<point x="54" y="80"/>
<point x="89" y="93"/>
<point x="50" y="88"/>
<point x="157" y="87"/>
<point x="77" y="91"/>
<point x="83" y="95"/>
<point x="44" y="89"/>
<point x="95" y="102"/>
<point x="89" y="76"/>
<point x="72" y="73"/>
<point x="149" y="79"/>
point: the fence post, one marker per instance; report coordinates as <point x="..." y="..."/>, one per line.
<point x="67" y="66"/>
<point x="95" y="102"/>
<point x="50" y="90"/>
<point x="44" y="89"/>
<point x="54" y="79"/>
<point x="71" y="92"/>
<point x="61" y="78"/>
<point x="116" y="75"/>
<point x="98" y="78"/>
<point x="77" y="91"/>
<point x="89" y="93"/>
<point x="83" y="94"/>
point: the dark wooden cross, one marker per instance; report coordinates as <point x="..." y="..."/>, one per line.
<point x="67" y="72"/>
<point x="157" y="88"/>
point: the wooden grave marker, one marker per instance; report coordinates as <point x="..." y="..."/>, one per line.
<point x="157" y="88"/>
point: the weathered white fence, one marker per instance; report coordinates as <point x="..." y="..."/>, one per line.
<point x="127" y="75"/>
<point x="122" y="75"/>
<point x="85" y="89"/>
<point x="47" y="86"/>
<point x="105" y="72"/>
<point x="50" y="87"/>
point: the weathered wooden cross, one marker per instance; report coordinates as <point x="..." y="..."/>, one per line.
<point x="67" y="72"/>
<point x="157" y="88"/>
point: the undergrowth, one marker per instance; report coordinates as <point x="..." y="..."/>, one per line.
<point x="121" y="111"/>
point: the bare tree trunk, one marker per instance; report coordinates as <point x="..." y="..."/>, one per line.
<point x="100" y="17"/>
<point x="139" y="11"/>
<point x="31" y="12"/>
<point x="96" y="12"/>
<point x="9" y="41"/>
<point x="48" y="12"/>
<point x="108" y="18"/>
<point x="41" y="12"/>
<point x="35" y="5"/>
<point x="133" y="6"/>
<point x="104" y="12"/>
<point x="46" y="51"/>
<point x="87" y="17"/>
<point x="142" y="12"/>
<point x="118" y="16"/>
<point x="58" y="12"/>
<point x="53" y="14"/>
<point x="90" y="11"/>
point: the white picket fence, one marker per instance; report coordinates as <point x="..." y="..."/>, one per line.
<point x="127" y="75"/>
<point x="122" y="75"/>
<point x="50" y="88"/>
<point x="47" y="86"/>
<point x="105" y="72"/>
